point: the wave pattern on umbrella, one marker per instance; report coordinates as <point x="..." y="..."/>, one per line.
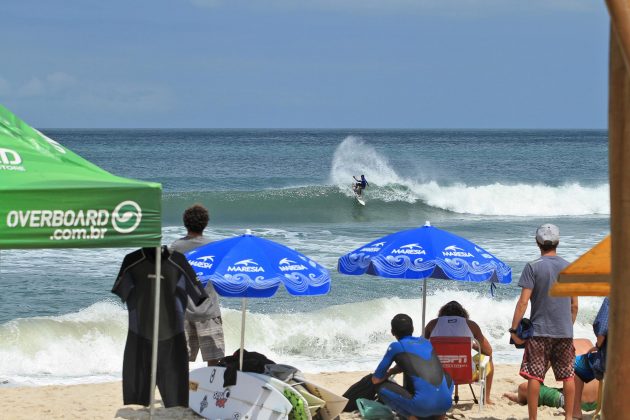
<point x="237" y="285"/>
<point x="425" y="252"/>
<point x="249" y="266"/>
<point x="458" y="268"/>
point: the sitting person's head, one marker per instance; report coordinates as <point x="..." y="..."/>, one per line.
<point x="402" y="326"/>
<point x="453" y="308"/>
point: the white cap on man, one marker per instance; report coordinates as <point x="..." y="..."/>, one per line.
<point x="548" y="234"/>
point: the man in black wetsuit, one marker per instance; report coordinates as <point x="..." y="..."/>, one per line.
<point x="428" y="391"/>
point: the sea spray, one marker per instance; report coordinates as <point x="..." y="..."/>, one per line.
<point x="353" y="156"/>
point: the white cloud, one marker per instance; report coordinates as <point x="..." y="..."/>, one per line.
<point x="126" y="97"/>
<point x="97" y="95"/>
<point x="60" y="80"/>
<point x="53" y="83"/>
<point x="34" y="87"/>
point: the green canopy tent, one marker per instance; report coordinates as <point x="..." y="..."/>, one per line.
<point x="51" y="197"/>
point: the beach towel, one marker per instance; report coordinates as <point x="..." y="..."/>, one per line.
<point x="524" y="331"/>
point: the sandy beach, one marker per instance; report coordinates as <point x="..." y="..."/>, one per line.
<point x="104" y="400"/>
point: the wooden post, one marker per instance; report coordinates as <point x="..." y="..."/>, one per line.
<point x="620" y="25"/>
<point x="617" y="378"/>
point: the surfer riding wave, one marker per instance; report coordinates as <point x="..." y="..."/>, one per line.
<point x="360" y="185"/>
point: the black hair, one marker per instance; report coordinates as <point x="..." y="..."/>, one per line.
<point x="402" y="325"/>
<point x="547" y="246"/>
<point x="196" y="218"/>
<point x="453" y="308"/>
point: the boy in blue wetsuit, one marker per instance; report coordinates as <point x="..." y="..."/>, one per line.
<point x="428" y="390"/>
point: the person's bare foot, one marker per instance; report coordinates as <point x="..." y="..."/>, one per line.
<point x="489" y="402"/>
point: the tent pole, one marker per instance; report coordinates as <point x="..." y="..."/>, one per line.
<point x="240" y="357"/>
<point x="424" y="303"/>
<point x="156" y="325"/>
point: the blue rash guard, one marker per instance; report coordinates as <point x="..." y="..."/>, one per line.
<point x="361" y="182"/>
<point x="432" y="388"/>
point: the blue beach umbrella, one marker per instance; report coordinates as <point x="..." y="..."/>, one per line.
<point x="417" y="254"/>
<point x="247" y="266"/>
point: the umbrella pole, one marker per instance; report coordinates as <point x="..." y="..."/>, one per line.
<point x="243" y="308"/>
<point x="424" y="303"/>
<point x="156" y="325"/>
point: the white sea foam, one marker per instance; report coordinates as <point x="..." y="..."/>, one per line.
<point x="517" y="200"/>
<point x="496" y="199"/>
<point x="46" y="350"/>
<point x="72" y="348"/>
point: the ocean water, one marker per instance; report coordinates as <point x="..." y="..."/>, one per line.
<point x="293" y="186"/>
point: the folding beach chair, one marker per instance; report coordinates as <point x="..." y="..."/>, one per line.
<point x="456" y="356"/>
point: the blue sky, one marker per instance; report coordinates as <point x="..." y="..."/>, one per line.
<point x="306" y="63"/>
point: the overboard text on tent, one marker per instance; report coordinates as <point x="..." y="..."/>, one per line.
<point x="82" y="224"/>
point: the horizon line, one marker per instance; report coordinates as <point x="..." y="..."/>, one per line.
<point x="325" y="129"/>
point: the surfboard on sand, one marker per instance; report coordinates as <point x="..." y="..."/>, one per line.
<point x="334" y="404"/>
<point x="298" y="401"/>
<point x="252" y="397"/>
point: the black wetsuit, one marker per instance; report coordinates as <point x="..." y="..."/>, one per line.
<point x="136" y="286"/>
<point x="428" y="390"/>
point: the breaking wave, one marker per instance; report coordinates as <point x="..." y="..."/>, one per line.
<point x="352" y="336"/>
<point x="496" y="199"/>
<point x="390" y="196"/>
<point x="403" y="201"/>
